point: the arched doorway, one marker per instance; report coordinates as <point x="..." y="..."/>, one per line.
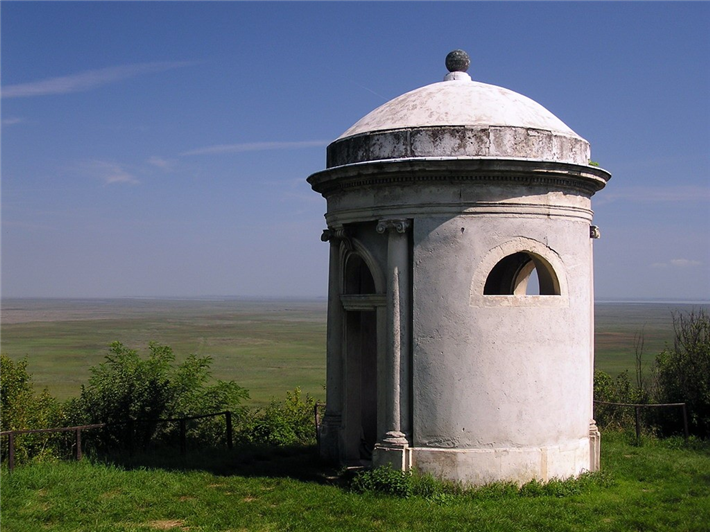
<point x="360" y="347"/>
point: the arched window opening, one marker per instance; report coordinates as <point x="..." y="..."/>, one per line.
<point x="358" y="279"/>
<point x="522" y="274"/>
<point x="533" y="288"/>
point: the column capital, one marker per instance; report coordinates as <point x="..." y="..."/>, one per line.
<point x="334" y="233"/>
<point x="399" y="225"/>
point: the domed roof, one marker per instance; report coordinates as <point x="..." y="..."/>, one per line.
<point x="459" y="118"/>
<point x="459" y="102"/>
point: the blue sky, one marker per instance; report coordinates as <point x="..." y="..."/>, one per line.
<point x="161" y="149"/>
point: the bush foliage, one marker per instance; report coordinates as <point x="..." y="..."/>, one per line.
<point x="127" y="387"/>
<point x="289" y="422"/>
<point x="23" y="408"/>
<point x="683" y="369"/>
<point x="681" y="374"/>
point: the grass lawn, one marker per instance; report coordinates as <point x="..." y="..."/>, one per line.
<point x="660" y="485"/>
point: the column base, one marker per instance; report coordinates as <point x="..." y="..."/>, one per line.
<point x="394" y="451"/>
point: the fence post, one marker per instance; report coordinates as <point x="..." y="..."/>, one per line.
<point x="11" y="451"/>
<point x="78" y="444"/>
<point x="685" y="421"/>
<point x="638" y="425"/>
<point x="129" y="436"/>
<point x="183" y="436"/>
<point x="228" y="416"/>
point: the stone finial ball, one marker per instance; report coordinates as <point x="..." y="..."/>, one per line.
<point x="457" y="61"/>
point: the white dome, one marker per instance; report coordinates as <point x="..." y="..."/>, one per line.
<point x="459" y="102"/>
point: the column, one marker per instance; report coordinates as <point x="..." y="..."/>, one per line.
<point x="332" y="420"/>
<point x="393" y="447"/>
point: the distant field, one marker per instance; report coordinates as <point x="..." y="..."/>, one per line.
<point x="616" y="324"/>
<point x="266" y="346"/>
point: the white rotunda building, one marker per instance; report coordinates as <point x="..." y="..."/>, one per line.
<point x="460" y="306"/>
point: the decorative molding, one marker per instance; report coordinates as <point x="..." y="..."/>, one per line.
<point x="548" y="174"/>
<point x="399" y="225"/>
<point x="336" y="235"/>
<point x="515" y="245"/>
<point x="363" y="302"/>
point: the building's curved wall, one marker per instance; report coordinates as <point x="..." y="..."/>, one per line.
<point x="500" y="373"/>
<point x="501" y="385"/>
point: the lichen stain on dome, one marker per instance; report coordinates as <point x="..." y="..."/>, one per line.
<point x="459" y="103"/>
<point x="459" y="118"/>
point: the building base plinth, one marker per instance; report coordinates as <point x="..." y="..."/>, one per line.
<point x="396" y="455"/>
<point x="514" y="464"/>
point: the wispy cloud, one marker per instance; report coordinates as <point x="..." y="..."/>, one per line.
<point x="651" y="194"/>
<point x="12" y="121"/>
<point x="90" y="79"/>
<point x="676" y="263"/>
<point x="109" y="172"/>
<point x="256" y="146"/>
<point x="684" y="263"/>
<point x="160" y="162"/>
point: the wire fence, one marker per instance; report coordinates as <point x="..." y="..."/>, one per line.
<point x="637" y="410"/>
<point x="130" y="431"/>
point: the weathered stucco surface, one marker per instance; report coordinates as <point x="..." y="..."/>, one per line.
<point x="428" y="196"/>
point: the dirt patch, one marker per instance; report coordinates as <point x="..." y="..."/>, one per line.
<point x="166" y="524"/>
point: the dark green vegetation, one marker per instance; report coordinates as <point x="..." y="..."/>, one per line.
<point x="680" y="374"/>
<point x="659" y="485"/>
<point x="134" y="403"/>
<point x="267" y="347"/>
<point x="126" y="386"/>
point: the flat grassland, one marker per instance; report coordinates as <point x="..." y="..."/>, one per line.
<point x="267" y="346"/>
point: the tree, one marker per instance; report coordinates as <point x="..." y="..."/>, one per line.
<point x="683" y="370"/>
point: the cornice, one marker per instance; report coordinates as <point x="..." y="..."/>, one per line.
<point x="554" y="175"/>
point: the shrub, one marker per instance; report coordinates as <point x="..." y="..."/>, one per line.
<point x="126" y="386"/>
<point x="614" y="390"/>
<point x="22" y="408"/>
<point x="288" y="422"/>
<point x="683" y="370"/>
<point x="385" y="480"/>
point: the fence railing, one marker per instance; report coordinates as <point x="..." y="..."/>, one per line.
<point x="130" y="426"/>
<point x="637" y="408"/>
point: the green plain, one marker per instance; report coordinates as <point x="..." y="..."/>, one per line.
<point x="268" y="346"/>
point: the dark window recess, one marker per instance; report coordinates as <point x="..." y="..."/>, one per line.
<point x="358" y="279"/>
<point x="511" y="275"/>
